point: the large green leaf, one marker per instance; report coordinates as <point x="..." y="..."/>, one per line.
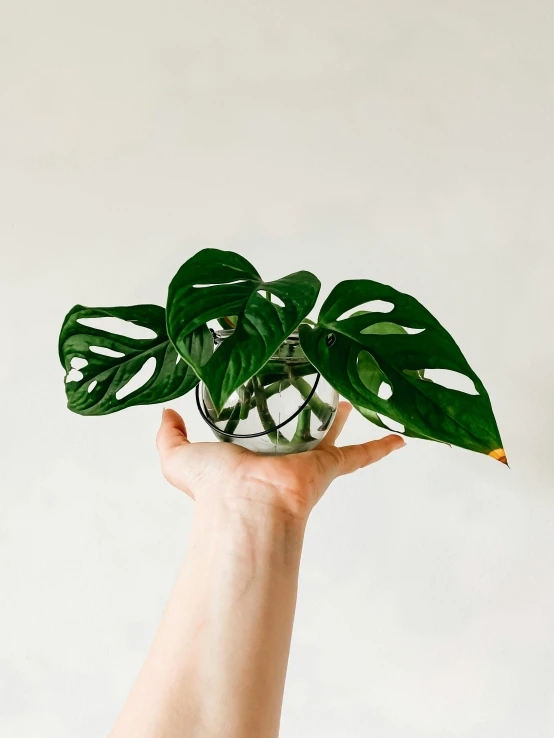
<point x="373" y="377"/>
<point x="99" y="363"/>
<point x="213" y="284"/>
<point x="365" y="351"/>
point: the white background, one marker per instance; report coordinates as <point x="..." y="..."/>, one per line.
<point x="406" y="142"/>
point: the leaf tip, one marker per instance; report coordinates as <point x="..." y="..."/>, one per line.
<point x="499" y="455"/>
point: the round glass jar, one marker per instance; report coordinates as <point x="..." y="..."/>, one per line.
<point x="274" y="396"/>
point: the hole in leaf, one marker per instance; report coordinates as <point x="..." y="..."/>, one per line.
<point x="385" y="391"/>
<point x="119" y="326"/>
<point x="277" y="300"/>
<point x="74" y="375"/>
<point x="392" y="425"/>
<point x="219" y="284"/>
<point x="106" y="351"/>
<point x="215" y="325"/>
<point x="271" y="298"/>
<point x="370" y="372"/>
<point x="178" y="359"/>
<point x="330" y="339"/>
<point x="141" y="377"/>
<point x="92" y="385"/>
<point x="451" y="380"/>
<point x="390" y="329"/>
<point x="77" y="362"/>
<point x="373" y="306"/>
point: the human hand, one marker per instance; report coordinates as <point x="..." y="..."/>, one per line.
<point x="290" y="484"/>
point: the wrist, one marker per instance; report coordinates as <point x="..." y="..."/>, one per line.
<point x="259" y="497"/>
<point x="248" y="528"/>
<point x="259" y="512"/>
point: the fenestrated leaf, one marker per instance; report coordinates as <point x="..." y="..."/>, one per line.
<point x="357" y="353"/>
<point x="372" y="376"/>
<point x="213" y="284"/>
<point x="103" y="376"/>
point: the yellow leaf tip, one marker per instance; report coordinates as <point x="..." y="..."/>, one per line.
<point x="499" y="455"/>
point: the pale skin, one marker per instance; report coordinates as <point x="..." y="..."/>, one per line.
<point x="217" y="666"/>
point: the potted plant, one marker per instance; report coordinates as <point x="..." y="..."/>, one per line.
<point x="265" y="375"/>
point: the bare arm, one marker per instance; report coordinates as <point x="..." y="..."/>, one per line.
<point x="218" y="663"/>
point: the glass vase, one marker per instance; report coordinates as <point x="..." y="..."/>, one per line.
<point x="282" y="394"/>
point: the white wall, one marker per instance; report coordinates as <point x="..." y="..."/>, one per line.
<point x="406" y="142"/>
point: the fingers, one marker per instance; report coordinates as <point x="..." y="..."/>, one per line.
<point x="363" y="454"/>
<point x="172" y="432"/>
<point x="343" y="411"/>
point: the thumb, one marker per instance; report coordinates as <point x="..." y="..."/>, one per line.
<point x="172" y="432"/>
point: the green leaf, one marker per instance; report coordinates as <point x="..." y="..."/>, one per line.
<point x="363" y="352"/>
<point x="372" y="376"/>
<point x="99" y="362"/>
<point x="213" y="284"/>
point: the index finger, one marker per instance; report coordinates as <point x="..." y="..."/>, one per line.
<point x="363" y="454"/>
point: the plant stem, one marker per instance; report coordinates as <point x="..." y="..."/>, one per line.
<point x="225" y="414"/>
<point x="320" y="409"/>
<point x="271" y="389"/>
<point x="274" y="371"/>
<point x="234" y="420"/>
<point x="266" y="418"/>
<point x="303" y="434"/>
<point x="245" y="396"/>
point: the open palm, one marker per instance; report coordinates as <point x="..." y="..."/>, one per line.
<point x="292" y="483"/>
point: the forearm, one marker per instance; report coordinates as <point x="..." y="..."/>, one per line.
<point x="217" y="665"/>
